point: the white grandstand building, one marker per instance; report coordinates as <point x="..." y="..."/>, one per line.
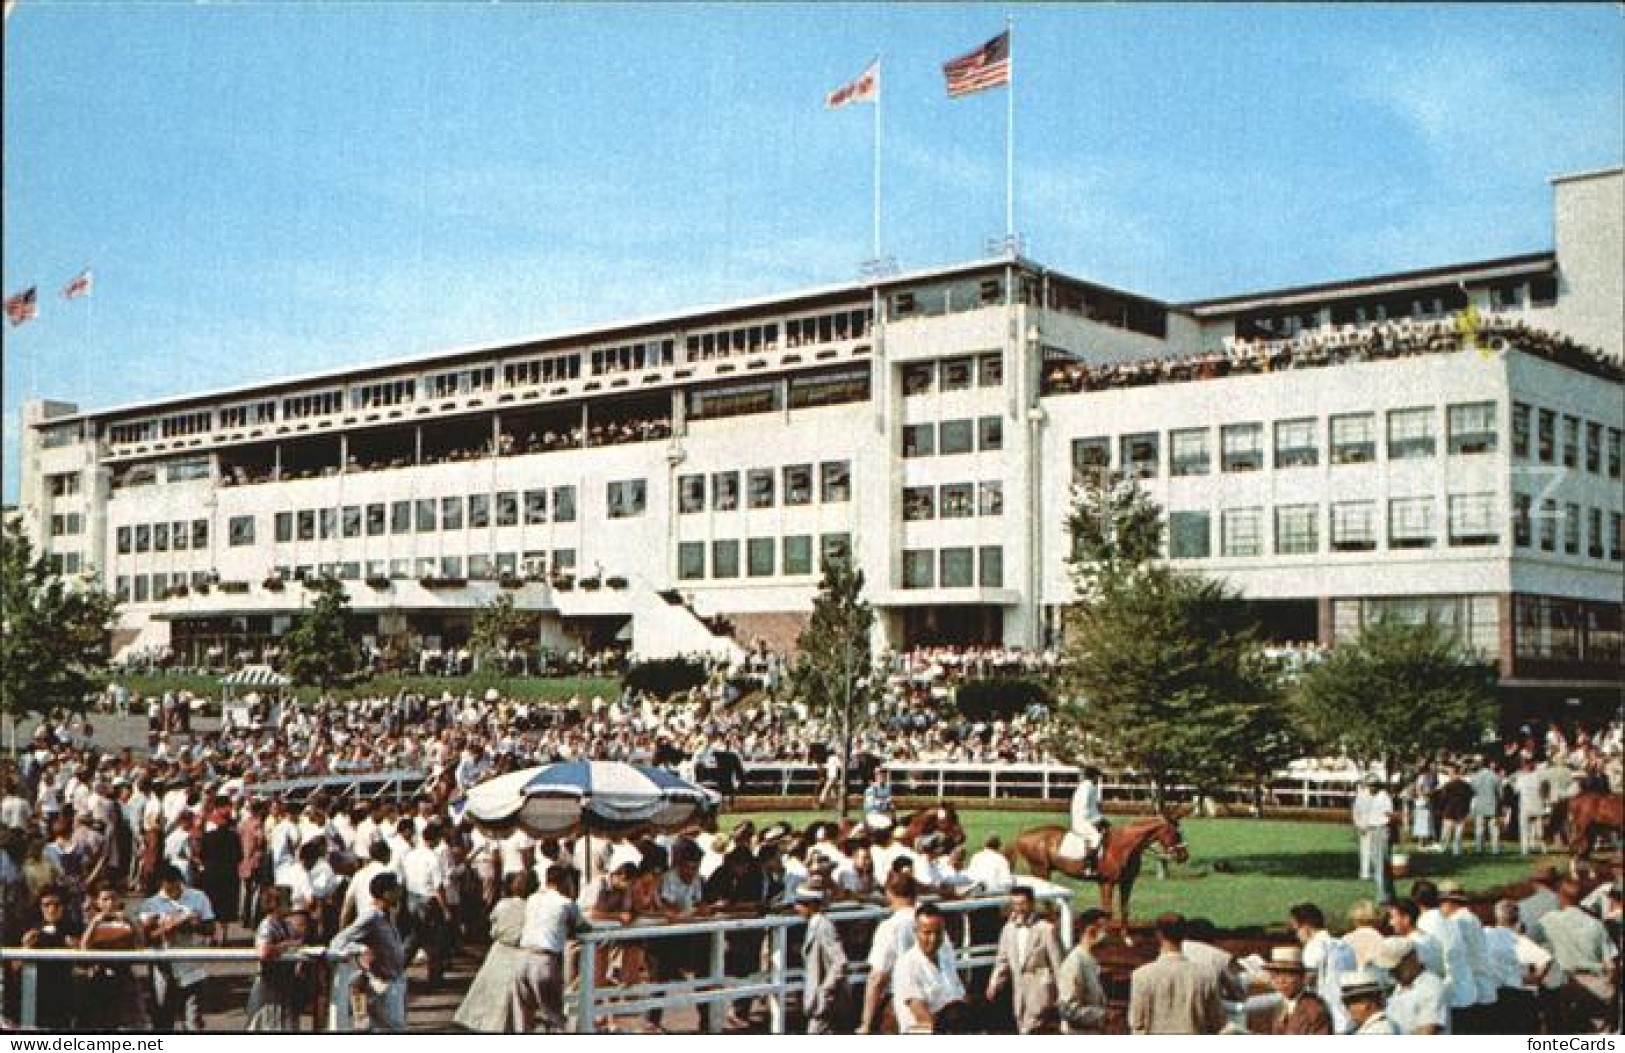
<point x="1338" y="452"/>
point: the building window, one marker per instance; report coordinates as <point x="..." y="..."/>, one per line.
<point x="725" y="559"/>
<point x="1571" y="529"/>
<point x="121" y="588"/>
<point x="535" y="508"/>
<point x="991" y="558"/>
<point x="1546" y="436"/>
<point x="1138" y="454"/>
<point x="1594" y="534"/>
<point x="798" y="554"/>
<point x="1190" y="535"/>
<point x="1091" y="456"/>
<point x="835" y="548"/>
<point x="1522" y="535"/>
<point x="1520" y="430"/>
<point x="1472" y="428"/>
<point x="835" y="482"/>
<point x="1354" y="438"/>
<point x="1593" y="448"/>
<point x="990" y="498"/>
<point x="1241" y="447"/>
<point x="958" y="568"/>
<point x="626" y="499"/>
<point x="507" y="508"/>
<point x="1410" y="522"/>
<point x="690" y="494"/>
<point x="240" y="530"/>
<point x="400" y="517"/>
<point x="1472" y="520"/>
<point x="327" y="520"/>
<point x="691" y="560"/>
<point x="759" y="487"/>
<point x="200" y="534"/>
<point x="349" y="521"/>
<point x="1354" y="526"/>
<point x="1548" y="526"/>
<point x="375" y="516"/>
<point x="759" y="557"/>
<point x="1571" y="441"/>
<point x="451" y="567"/>
<point x="1189" y="452"/>
<point x="284" y="527"/>
<point x="564" y="505"/>
<point x="564" y="560"/>
<point x="181" y="532"/>
<point x="160" y="537"/>
<point x="1242" y="532"/>
<point x="919" y="503"/>
<point x="1614" y="526"/>
<point x="990" y="370"/>
<point x="957" y="500"/>
<point x="451" y="513"/>
<point x="798" y="486"/>
<point x="919" y="440"/>
<point x="955" y="436"/>
<point x="1297" y="530"/>
<point x="307" y="524"/>
<point x="919" y="568"/>
<point x="141" y="586"/>
<point x="1296" y="445"/>
<point x="1616" y="439"/>
<point x="124" y="540"/>
<point x="1410" y="433"/>
<point x="956" y="374"/>
<point x="143" y="538"/>
<point x="917" y="378"/>
<point x="990" y="433"/>
<point x="724" y="491"/>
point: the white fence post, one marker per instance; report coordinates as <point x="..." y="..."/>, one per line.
<point x="778" y="1006"/>
<point x="586" y="975"/>
<point x="30" y="995"/>
<point x="719" y="973"/>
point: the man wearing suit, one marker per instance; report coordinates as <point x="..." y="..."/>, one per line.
<point x="1302" y="1011"/>
<point x="824" y="995"/>
<point x="1029" y="961"/>
<point x="1173" y="995"/>
<point x="1083" y="998"/>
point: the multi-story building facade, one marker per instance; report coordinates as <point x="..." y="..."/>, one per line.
<point x="1442" y="443"/>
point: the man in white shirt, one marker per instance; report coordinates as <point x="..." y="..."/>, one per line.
<point x="892" y="939"/>
<point x="427" y="909"/>
<point x="927" y="996"/>
<point x="1521" y="967"/>
<point x="1087" y="816"/>
<point x="990" y="868"/>
<point x="1475" y="1020"/>
<point x="1418" y="1004"/>
<point x="1372" y="814"/>
<point x="1327" y="959"/>
<point x="1486" y="807"/>
<point x="1461" y="987"/>
<point x="551" y="918"/>
<point x="358" y="902"/>
<point x="178" y="917"/>
<point x="1530" y="786"/>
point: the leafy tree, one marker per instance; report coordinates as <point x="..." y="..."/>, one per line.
<point x="834" y="665"/>
<point x="1399" y="694"/>
<point x="318" y="652"/>
<point x="54" y="636"/>
<point x="498" y="627"/>
<point x="1165" y="673"/>
<point x="665" y="677"/>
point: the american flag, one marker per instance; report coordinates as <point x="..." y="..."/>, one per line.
<point x="986" y="67"/>
<point x="24" y="307"/>
<point x="80" y="286"/>
<point x="865" y="89"/>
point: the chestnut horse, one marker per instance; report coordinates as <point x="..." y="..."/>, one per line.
<point x="1120" y="856"/>
<point x="1589" y="812"/>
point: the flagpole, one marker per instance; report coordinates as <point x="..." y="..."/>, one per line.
<point x="1010" y="140"/>
<point x="879" y="91"/>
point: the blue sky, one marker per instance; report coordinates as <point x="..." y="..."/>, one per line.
<point x="264" y="189"/>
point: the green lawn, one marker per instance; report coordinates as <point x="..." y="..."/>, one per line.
<point x="546" y="689"/>
<point x="1272" y="865"/>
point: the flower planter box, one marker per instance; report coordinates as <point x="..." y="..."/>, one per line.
<point x="443" y="583"/>
<point x="269" y="585"/>
<point x="615" y="583"/>
<point x="378" y="583"/>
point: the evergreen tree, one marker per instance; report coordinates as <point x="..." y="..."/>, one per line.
<point x="318" y="652"/>
<point x="498" y="627"/>
<point x="834" y="665"/>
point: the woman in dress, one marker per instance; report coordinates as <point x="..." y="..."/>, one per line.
<point x="488" y="1006"/>
<point x="1422" y="807"/>
<point x="273" y="1004"/>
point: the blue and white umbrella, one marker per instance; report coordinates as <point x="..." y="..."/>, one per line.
<point x="575" y="796"/>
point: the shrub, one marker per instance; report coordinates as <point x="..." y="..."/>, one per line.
<point x="1000" y="698"/>
<point x="665" y="677"/>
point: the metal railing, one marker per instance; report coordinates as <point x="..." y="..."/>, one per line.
<point x="777" y="979"/>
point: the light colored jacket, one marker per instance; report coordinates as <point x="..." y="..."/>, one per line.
<point x="1033" y="980"/>
<point x="825" y="963"/>
<point x="1174" y="996"/>
<point x="1082" y="997"/>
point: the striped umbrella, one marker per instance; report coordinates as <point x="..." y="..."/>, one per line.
<point x="576" y="796"/>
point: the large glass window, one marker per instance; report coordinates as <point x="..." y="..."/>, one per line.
<point x="200" y="533"/>
<point x="1138" y="454"/>
<point x="759" y="557"/>
<point x="1522" y="532"/>
<point x="957" y="500"/>
<point x="376" y="520"/>
<point x="955" y="436"/>
<point x="725" y="491"/>
<point x="1593" y="448"/>
<point x="1594" y="533"/>
<point x="1354" y="527"/>
<point x="1091" y="455"/>
<point x="759" y="487"/>
<point x="1571" y="529"/>
<point x="990" y="369"/>
<point x="160" y="538"/>
<point x="919" y="502"/>
<point x="991" y="558"/>
<point x="1472" y="428"/>
<point x="1354" y="438"/>
<point x="1242" y="532"/>
<point x="835" y="481"/>
<point x="507" y="508"/>
<point x="143" y="538"/>
<point x="400" y="517"/>
<point x="1410" y="522"/>
<point x="1616" y="440"/>
<point x="1296" y="443"/>
<point x="798" y="485"/>
<point x="240" y="531"/>
<point x="919" y="568"/>
<point x="124" y="536"/>
<point x="1189" y="452"/>
<point x="1546" y="436"/>
<point x="690" y="494"/>
<point x="350" y="521"/>
<point x="1472" y="520"/>
<point x="1410" y="433"/>
<point x="181" y="531"/>
<point x="917" y="378"/>
<point x="1297" y="530"/>
<point x="835" y="548"/>
<point x="958" y="568"/>
<point x="919" y="440"/>
<point x="451" y="513"/>
<point x="690" y="560"/>
<point x="956" y="373"/>
<point x="1190" y="535"/>
<point x="535" y="507"/>
<point x="725" y="558"/>
<point x="479" y="511"/>
<point x="990" y="498"/>
<point x="328" y="521"/>
<point x="426" y="517"/>
<point x="307" y="525"/>
<point x="798" y="554"/>
<point x="1571" y="441"/>
<point x="1241" y="447"/>
<point x="627" y="498"/>
<point x="990" y="433"/>
<point x="1548" y="525"/>
<point x="564" y="505"/>
<point x="1520" y="430"/>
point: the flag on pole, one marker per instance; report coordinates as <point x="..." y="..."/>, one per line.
<point x="80" y="286"/>
<point x="865" y="89"/>
<point x="24" y="307"/>
<point x="986" y="67"/>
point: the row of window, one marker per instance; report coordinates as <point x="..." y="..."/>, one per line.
<point x="427" y="514"/>
<point x="765" y="557"/>
<point x="953" y="436"/>
<point x="1581" y="528"/>
<point x="953" y="501"/>
<point x="959" y="567"/>
<point x="1546" y="424"/>
<point x="162" y="537"/>
<point x="1351" y="438"/>
<point x="67" y="524"/>
<point x="954" y="374"/>
<point x="62" y="484"/>
<point x="834" y="487"/>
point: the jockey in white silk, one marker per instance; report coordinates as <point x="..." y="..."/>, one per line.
<point x="1086" y="819"/>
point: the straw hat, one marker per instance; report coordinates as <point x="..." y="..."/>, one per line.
<point x="1452" y="891"/>
<point x="1362" y="983"/>
<point x="1285" y="960"/>
<point x="1392" y="951"/>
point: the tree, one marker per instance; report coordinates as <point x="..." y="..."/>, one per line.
<point x="1399" y="694"/>
<point x="1164" y="673"/>
<point x="318" y="652"/>
<point x="834" y="666"/>
<point x="665" y="677"/>
<point x="498" y="627"/>
<point x="54" y="636"/>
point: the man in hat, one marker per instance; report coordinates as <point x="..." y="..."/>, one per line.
<point x="1302" y="1011"/>
<point x="1453" y="904"/>
<point x="1362" y="996"/>
<point x="1418" y="1004"/>
<point x="1028" y="962"/>
<point x="1372" y="814"/>
<point x="824" y="994"/>
<point x="1087" y="818"/>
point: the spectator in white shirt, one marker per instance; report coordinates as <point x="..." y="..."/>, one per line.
<point x="1533" y="795"/>
<point x="427" y="909"/>
<point x="990" y="867"/>
<point x="551" y="918"/>
<point x="1474" y="1020"/>
<point x="1418" y="1004"/>
<point x="1522" y="968"/>
<point x="1459" y="981"/>
<point x="892" y="939"/>
<point x="927" y="995"/>
<point x="358" y="902"/>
